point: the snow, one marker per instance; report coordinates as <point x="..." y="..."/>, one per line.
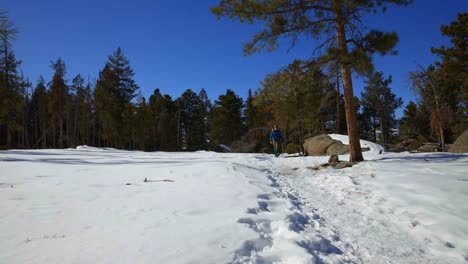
<point x="91" y="205"/>
<point x="373" y="147"/>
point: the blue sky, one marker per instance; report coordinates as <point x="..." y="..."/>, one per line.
<point x="178" y="44"/>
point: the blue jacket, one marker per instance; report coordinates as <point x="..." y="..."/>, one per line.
<point x="276" y="135"/>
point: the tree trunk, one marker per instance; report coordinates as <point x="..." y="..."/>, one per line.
<point x="61" y="133"/>
<point x="374" y="128"/>
<point x="338" y="112"/>
<point x="353" y="131"/>
<point x="442" y="137"/>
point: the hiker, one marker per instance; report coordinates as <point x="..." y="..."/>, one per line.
<point x="275" y="139"/>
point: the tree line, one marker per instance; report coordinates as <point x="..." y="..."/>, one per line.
<point x="303" y="98"/>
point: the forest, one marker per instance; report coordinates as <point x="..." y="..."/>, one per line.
<point x="303" y="98"/>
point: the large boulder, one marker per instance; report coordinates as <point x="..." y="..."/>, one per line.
<point x="318" y="145"/>
<point x="338" y="148"/>
<point x="407" y="145"/>
<point x="461" y="144"/>
<point x="429" y="147"/>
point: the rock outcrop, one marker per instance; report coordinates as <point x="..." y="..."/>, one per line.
<point x="461" y="144"/>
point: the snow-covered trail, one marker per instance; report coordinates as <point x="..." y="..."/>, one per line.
<point x="394" y="208"/>
<point x="289" y="228"/>
<point x="332" y="229"/>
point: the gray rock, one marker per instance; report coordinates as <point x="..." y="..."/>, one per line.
<point x="318" y="145"/>
<point x="429" y="147"/>
<point x="343" y="165"/>
<point x="333" y="159"/>
<point x="461" y="144"/>
<point x="338" y="148"/>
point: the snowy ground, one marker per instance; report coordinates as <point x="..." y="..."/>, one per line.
<point x="90" y="205"/>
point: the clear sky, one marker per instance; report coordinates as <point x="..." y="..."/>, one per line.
<point x="178" y="44"/>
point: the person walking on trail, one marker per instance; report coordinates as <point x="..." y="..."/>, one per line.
<point x="275" y="139"/>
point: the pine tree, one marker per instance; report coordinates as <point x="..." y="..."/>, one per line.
<point x="141" y="130"/>
<point x="336" y="21"/>
<point x="106" y="109"/>
<point x="437" y="97"/>
<point x="115" y="89"/>
<point x="186" y="104"/>
<point x="453" y="68"/>
<point x="379" y="105"/>
<point x="58" y="99"/>
<point x="39" y="105"/>
<point x="200" y="129"/>
<point x="226" y="119"/>
<point x="409" y="121"/>
<point x="156" y="105"/>
<point x="82" y="111"/>
<point x="10" y="98"/>
<point x="169" y="121"/>
<point x="299" y="99"/>
<point x="251" y="112"/>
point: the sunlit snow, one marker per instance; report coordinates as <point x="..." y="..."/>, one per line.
<point x="93" y="205"/>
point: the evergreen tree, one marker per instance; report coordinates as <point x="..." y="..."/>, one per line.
<point x="226" y="119"/>
<point x="453" y="68"/>
<point x="437" y="97"/>
<point x="169" y="121"/>
<point x="299" y="99"/>
<point x="409" y="121"/>
<point x="156" y="105"/>
<point x="141" y="130"/>
<point x="251" y="112"/>
<point x="200" y="127"/>
<point x="11" y="100"/>
<point x="39" y="104"/>
<point x="106" y="108"/>
<point x="85" y="114"/>
<point x="379" y="104"/>
<point x="76" y="90"/>
<point x="187" y="122"/>
<point x="337" y="21"/>
<point x="58" y="98"/>
<point x="115" y="89"/>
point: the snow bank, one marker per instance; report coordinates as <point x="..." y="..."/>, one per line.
<point x="374" y="147"/>
<point x="88" y="148"/>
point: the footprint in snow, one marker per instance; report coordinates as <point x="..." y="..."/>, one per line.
<point x="298" y="222"/>
<point x="449" y="245"/>
<point x="322" y="245"/>
<point x="247" y="253"/>
<point x="261" y="226"/>
<point x="264" y="196"/>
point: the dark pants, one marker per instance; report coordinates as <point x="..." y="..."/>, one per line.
<point x="275" y="147"/>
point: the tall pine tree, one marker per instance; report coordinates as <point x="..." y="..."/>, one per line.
<point x="337" y="21"/>
<point x="114" y="91"/>
<point x="57" y="103"/>
<point x="226" y="124"/>
<point x="379" y="105"/>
